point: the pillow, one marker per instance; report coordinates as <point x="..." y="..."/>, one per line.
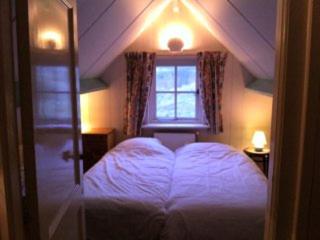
<point x="203" y="147"/>
<point x="145" y="145"/>
<point x="140" y="141"/>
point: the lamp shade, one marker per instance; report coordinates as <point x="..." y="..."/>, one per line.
<point x="259" y="140"/>
<point x="175" y="44"/>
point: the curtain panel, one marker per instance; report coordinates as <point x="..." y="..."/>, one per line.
<point x="140" y="71"/>
<point x="210" y="68"/>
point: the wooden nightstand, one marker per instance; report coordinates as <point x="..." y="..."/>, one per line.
<point x="260" y="158"/>
<point x="95" y="144"/>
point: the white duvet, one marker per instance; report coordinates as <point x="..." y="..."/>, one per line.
<point x="217" y="194"/>
<point x="205" y="191"/>
<point x="126" y="191"/>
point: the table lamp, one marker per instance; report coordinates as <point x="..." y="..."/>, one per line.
<point x="259" y="141"/>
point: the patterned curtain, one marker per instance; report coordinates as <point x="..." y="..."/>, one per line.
<point x="140" y="70"/>
<point x="210" y="66"/>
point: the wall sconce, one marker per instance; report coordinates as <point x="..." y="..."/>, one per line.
<point x="259" y="141"/>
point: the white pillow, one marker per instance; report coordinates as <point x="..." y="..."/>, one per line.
<point x="143" y="143"/>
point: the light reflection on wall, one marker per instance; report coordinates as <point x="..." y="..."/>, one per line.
<point x="94" y="107"/>
<point x="85" y="115"/>
<point x="175" y="30"/>
<point x="199" y="16"/>
<point x="154" y="15"/>
<point x="51" y="39"/>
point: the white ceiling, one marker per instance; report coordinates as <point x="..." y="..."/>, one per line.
<point x="246" y="28"/>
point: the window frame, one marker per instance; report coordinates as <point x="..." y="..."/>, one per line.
<point x="173" y="61"/>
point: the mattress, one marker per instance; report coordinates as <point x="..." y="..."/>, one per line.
<point x="126" y="191"/>
<point x="142" y="190"/>
<point x="217" y="193"/>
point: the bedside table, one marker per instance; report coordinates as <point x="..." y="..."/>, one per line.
<point x="95" y="144"/>
<point x="260" y="158"/>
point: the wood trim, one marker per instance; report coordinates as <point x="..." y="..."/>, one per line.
<point x="32" y="226"/>
<point x="296" y="125"/>
<point x="73" y="39"/>
<point x="63" y="210"/>
<point x="85" y="72"/>
<point x="11" y="226"/>
<point x="307" y="222"/>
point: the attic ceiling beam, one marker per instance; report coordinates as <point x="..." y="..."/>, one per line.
<point x="92" y="85"/>
<point x="255" y="54"/>
<point x="251" y="24"/>
<point x="217" y="29"/>
<point x="111" y="47"/>
<point x="262" y="14"/>
<point x="87" y="29"/>
<point x="115" y="40"/>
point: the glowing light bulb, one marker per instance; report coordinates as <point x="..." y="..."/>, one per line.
<point x="50" y="39"/>
<point x="176" y="31"/>
<point x="259" y="140"/>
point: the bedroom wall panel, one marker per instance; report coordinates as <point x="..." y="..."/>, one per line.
<point x="238" y="35"/>
<point x="90" y="12"/>
<point x="260" y="14"/>
<point x="116" y="29"/>
<point x="106" y="31"/>
<point x="93" y="109"/>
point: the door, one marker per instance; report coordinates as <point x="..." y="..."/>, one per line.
<point x="47" y="61"/>
<point x="11" y="226"/>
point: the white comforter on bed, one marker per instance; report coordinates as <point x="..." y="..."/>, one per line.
<point x="126" y="191"/>
<point x="217" y="194"/>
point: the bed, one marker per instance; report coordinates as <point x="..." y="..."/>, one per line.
<point x="217" y="193"/>
<point x="126" y="191"/>
<point x="142" y="190"/>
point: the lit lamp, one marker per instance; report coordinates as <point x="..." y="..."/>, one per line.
<point x="259" y="141"/>
<point x="175" y="45"/>
<point x="175" y="37"/>
<point x="51" y="40"/>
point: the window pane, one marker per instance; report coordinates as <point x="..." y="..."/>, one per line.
<point x="186" y="78"/>
<point x="186" y="105"/>
<point x="165" y="105"/>
<point x="165" y="78"/>
<point x="54" y="107"/>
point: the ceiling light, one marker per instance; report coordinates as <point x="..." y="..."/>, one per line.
<point x="175" y="45"/>
<point x="177" y="36"/>
<point x="176" y="8"/>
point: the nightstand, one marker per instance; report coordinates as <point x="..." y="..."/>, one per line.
<point x="95" y="144"/>
<point x="260" y="158"/>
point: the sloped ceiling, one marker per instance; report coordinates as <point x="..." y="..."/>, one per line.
<point x="245" y="28"/>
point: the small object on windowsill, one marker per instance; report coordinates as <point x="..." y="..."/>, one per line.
<point x="175" y="126"/>
<point x="261" y="157"/>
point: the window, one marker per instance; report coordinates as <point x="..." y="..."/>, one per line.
<point x="174" y="96"/>
<point x="53" y="95"/>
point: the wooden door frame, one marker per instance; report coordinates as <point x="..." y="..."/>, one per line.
<point x="11" y="226"/>
<point x="295" y="147"/>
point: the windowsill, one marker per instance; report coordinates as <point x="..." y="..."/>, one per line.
<point x="175" y="126"/>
